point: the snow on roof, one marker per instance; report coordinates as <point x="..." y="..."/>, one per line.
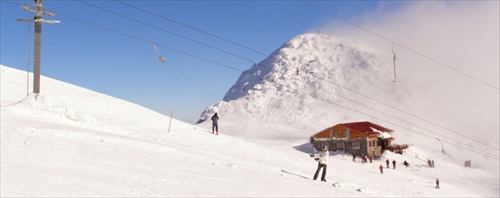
<point x="382" y="134"/>
<point x="369" y="128"/>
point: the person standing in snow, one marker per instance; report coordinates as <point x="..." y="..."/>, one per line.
<point x="394" y="164"/>
<point x="322" y="159"/>
<point x="387" y="162"/>
<point x="437" y="183"/>
<point x="353" y="156"/>
<point x="215" y="124"/>
<point x="381" y="169"/>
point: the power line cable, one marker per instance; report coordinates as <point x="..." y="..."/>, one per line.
<point x="251" y="60"/>
<point x="169" y="32"/>
<point x="394" y="43"/>
<point x="193" y="28"/>
<point x="343" y="87"/>
<point x="407" y="48"/>
<point x="180" y="51"/>
<point x="399" y="110"/>
<point x="394" y="117"/>
<point x="147" y="41"/>
<point x="459" y="146"/>
<point x="192" y="80"/>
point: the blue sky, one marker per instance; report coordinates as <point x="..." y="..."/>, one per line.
<point x="108" y="53"/>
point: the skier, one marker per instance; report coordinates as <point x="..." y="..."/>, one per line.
<point x="381" y="169"/>
<point x="406" y="163"/>
<point x="215" y="124"/>
<point x="387" y="162"/>
<point x="322" y="159"/>
<point x="353" y="156"/>
<point x="394" y="164"/>
<point x="437" y="183"/>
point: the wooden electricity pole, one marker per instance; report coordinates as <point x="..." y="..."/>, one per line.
<point x="38" y="20"/>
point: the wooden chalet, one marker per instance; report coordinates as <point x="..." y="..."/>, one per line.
<point x="356" y="137"/>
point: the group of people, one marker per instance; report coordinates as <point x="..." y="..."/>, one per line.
<point x="364" y="158"/>
<point x="393" y="163"/>
<point x="322" y="158"/>
<point x="387" y="162"/>
<point x="430" y="163"/>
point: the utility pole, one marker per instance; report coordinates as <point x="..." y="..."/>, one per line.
<point x="38" y="20"/>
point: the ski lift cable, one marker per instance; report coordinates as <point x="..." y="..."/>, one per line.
<point x="399" y="110"/>
<point x="115" y="31"/>
<point x="235" y="68"/>
<point x="460" y="146"/>
<point x="192" y="80"/>
<point x="449" y="67"/>
<point x="407" y="48"/>
<point x="394" y="57"/>
<point x="193" y="28"/>
<point x="169" y="32"/>
<point x="147" y="41"/>
<point x="394" y="61"/>
<point x="394" y="117"/>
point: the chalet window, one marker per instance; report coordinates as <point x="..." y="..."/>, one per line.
<point x="334" y="134"/>
<point x="340" y="145"/>
<point x="356" y="145"/>
<point x="346" y="133"/>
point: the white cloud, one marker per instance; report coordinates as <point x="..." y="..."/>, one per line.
<point x="462" y="39"/>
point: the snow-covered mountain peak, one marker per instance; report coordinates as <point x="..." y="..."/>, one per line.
<point x="307" y="59"/>
<point x="301" y="79"/>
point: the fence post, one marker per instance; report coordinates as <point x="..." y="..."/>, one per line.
<point x="170" y="122"/>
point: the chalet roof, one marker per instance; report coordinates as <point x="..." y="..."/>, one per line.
<point x="367" y="127"/>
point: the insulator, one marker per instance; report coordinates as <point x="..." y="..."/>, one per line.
<point x="25" y="8"/>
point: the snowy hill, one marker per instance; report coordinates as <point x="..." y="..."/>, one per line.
<point x="69" y="141"/>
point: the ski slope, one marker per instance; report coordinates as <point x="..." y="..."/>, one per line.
<point x="70" y="141"/>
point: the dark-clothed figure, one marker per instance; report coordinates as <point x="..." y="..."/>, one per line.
<point x="394" y="164"/>
<point x="215" y="124"/>
<point x="437" y="183"/>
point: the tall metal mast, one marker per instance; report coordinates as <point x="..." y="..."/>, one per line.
<point x="38" y="20"/>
